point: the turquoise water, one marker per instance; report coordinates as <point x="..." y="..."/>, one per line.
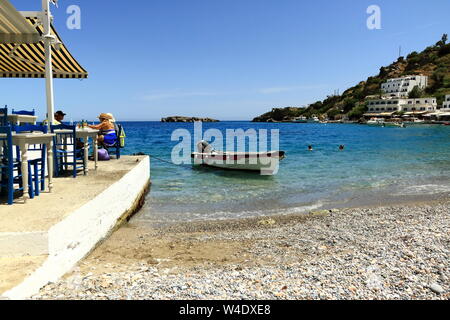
<point x="378" y="165"/>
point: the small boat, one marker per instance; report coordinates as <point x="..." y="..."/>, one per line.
<point x="314" y="119"/>
<point x="301" y="120"/>
<point x="267" y="163"/>
<point x="376" y="122"/>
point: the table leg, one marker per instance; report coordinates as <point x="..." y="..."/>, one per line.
<point x="50" y="165"/>
<point x="95" y="152"/>
<point x="86" y="155"/>
<point x="24" y="158"/>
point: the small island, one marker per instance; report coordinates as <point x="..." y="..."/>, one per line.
<point x="187" y="119"/>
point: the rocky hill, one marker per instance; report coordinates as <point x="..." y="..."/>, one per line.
<point x="433" y="62"/>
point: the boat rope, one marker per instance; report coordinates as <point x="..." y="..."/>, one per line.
<point x="164" y="161"/>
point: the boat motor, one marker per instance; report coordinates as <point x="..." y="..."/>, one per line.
<point x="204" y="147"/>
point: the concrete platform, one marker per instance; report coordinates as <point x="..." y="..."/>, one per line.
<point x="43" y="239"/>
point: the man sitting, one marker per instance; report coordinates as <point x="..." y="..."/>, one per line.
<point x="58" y="118"/>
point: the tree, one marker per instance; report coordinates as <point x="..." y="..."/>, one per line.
<point x="443" y="40"/>
<point x="415" y="93"/>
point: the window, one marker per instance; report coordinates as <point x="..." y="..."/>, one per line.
<point x="413" y="109"/>
<point x="410" y="102"/>
<point x="422" y="109"/>
<point x="377" y="109"/>
<point x="371" y="109"/>
<point x="405" y="109"/>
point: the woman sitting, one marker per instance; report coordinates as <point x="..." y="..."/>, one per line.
<point x="107" y="135"/>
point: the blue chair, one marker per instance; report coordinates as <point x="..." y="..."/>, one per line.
<point x="115" y="149"/>
<point x="36" y="167"/>
<point x="65" y="146"/>
<point x="4" y="116"/>
<point x="6" y="163"/>
<point x="24" y="112"/>
<point x="9" y="165"/>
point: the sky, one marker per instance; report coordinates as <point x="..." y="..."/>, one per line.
<point x="225" y="59"/>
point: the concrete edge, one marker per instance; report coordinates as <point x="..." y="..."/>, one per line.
<point x="81" y="232"/>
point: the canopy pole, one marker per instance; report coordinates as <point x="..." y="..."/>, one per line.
<point x="48" y="39"/>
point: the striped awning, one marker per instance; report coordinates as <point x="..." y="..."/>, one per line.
<point x="27" y="60"/>
<point x="13" y="27"/>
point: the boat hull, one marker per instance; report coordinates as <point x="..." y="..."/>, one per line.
<point x="267" y="163"/>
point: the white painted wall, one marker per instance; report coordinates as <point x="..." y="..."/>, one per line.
<point x="75" y="237"/>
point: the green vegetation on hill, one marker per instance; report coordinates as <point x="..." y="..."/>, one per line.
<point x="433" y="62"/>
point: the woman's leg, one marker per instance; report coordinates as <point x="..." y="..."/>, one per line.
<point x="100" y="140"/>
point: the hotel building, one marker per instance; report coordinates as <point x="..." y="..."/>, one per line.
<point x="387" y="107"/>
<point x="401" y="87"/>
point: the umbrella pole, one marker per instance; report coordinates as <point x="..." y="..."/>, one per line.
<point x="48" y="39"/>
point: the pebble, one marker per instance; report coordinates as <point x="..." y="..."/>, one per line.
<point x="377" y="253"/>
<point x="436" y="288"/>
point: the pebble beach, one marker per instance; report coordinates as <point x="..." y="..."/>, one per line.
<point x="396" y="252"/>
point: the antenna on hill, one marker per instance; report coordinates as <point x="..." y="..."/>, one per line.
<point x="400" y="51"/>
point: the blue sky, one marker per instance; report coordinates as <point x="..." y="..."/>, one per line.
<point x="226" y="59"/>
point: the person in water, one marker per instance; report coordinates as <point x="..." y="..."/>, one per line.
<point x="107" y="135"/>
<point x="341" y="147"/>
<point x="310" y="148"/>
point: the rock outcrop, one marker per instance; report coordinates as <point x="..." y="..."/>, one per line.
<point x="187" y="119"/>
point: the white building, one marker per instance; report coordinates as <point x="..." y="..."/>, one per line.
<point x="446" y="104"/>
<point x="401" y="87"/>
<point x="408" y="106"/>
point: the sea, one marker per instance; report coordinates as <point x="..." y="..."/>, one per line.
<point x="379" y="166"/>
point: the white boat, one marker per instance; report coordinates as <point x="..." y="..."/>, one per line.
<point x="301" y="120"/>
<point x="376" y="122"/>
<point x="314" y="119"/>
<point x="267" y="163"/>
<point x="415" y="121"/>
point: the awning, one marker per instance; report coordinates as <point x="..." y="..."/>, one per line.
<point x="415" y="113"/>
<point x="379" y="114"/>
<point x="27" y="60"/>
<point x="387" y="114"/>
<point x="433" y="114"/>
<point x="13" y="27"/>
<point x="371" y="114"/>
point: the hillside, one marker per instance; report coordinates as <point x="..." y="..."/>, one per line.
<point x="433" y="62"/>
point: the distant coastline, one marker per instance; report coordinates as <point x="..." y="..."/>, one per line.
<point x="187" y="119"/>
